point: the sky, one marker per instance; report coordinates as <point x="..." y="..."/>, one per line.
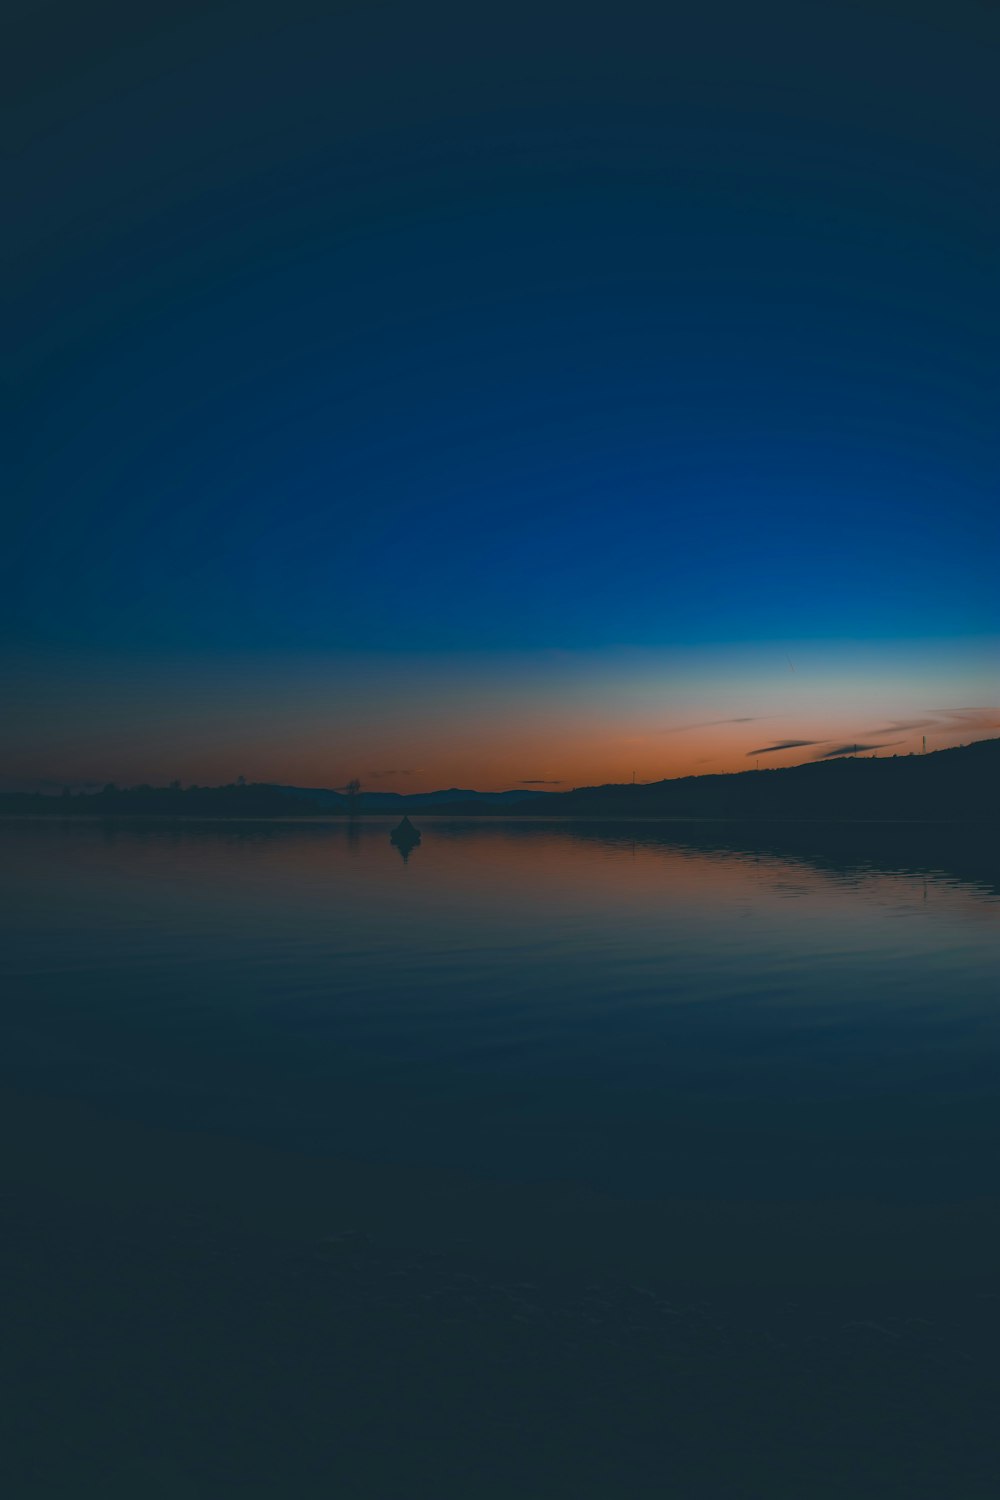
<point x="497" y="396"/>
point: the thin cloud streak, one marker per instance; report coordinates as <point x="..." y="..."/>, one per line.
<point x="711" y="723"/>
<point x="856" y="749"/>
<point x="782" y="745"/>
<point x="899" y="725"/>
<point x="967" y="718"/>
<point x="944" y="721"/>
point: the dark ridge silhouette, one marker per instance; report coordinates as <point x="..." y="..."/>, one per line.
<point x="331" y="800"/>
<point x="253" y="800"/>
<point x="957" y="785"/>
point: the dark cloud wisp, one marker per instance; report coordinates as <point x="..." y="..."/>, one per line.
<point x="710" y="723"/>
<point x="856" y="749"/>
<point x="782" y="745"/>
<point x="899" y="725"/>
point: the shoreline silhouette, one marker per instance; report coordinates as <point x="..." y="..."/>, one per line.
<point x="957" y="785"/>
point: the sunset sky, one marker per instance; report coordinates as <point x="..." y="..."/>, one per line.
<point x="452" y="398"/>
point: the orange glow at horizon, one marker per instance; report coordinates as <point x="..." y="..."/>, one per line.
<point x="549" y="720"/>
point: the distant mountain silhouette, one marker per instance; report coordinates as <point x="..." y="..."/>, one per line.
<point x="245" y="800"/>
<point x="333" y="801"/>
<point x="957" y="785"/>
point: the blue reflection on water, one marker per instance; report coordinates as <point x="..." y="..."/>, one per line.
<point x="749" y="1068"/>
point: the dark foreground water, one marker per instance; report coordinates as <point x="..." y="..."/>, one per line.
<point x="562" y="1160"/>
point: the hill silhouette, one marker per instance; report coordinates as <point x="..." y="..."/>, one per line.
<point x="962" y="783"/>
<point x="248" y="800"/>
<point x="330" y="800"/>
<point x="956" y="785"/>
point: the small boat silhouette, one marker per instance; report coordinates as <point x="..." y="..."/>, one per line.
<point x="405" y="837"/>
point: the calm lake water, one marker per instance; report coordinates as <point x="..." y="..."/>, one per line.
<point x="559" y="1159"/>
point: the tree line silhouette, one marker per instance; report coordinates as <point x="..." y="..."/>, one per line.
<point x="240" y="799"/>
<point x="960" y="784"/>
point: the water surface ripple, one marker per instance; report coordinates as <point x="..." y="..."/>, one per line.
<point x="556" y="1159"/>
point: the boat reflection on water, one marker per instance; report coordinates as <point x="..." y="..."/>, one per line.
<point x="405" y="837"/>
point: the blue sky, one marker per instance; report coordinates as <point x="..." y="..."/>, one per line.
<point x="395" y="338"/>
